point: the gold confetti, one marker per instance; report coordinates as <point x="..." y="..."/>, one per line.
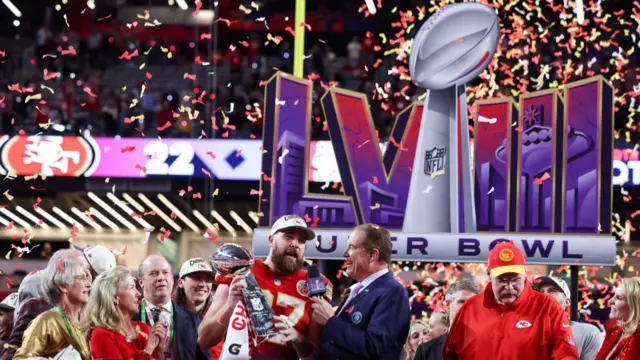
<point x="245" y="10"/>
<point x="437" y="173"/>
<point x="33" y="97"/>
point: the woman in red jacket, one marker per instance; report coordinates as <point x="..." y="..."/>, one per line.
<point x="113" y="302"/>
<point x="622" y="341"/>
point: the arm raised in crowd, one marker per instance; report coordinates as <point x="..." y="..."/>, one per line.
<point x="381" y="333"/>
<point x="213" y="327"/>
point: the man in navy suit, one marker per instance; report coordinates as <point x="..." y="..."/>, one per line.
<point x="156" y="280"/>
<point x="373" y="323"/>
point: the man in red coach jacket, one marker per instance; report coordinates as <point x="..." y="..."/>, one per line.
<point x="509" y="320"/>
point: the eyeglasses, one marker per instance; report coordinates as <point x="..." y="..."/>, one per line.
<point x="509" y="280"/>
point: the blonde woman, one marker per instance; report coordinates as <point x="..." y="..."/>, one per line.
<point x="66" y="285"/>
<point x="114" y="301"/>
<point x="419" y="333"/>
<point x="622" y="341"/>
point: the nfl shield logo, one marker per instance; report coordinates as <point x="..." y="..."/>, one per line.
<point x="434" y="160"/>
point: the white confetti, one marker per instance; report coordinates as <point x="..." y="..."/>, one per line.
<point x="281" y="158"/>
<point x="487" y="120"/>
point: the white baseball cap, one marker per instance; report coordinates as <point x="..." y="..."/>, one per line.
<point x="195" y="265"/>
<point x="100" y="258"/>
<point x="550" y="280"/>
<point x="292" y="221"/>
<point x="10" y="302"/>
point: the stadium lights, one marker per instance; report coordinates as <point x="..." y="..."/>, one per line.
<point x="203" y="220"/>
<point x="91" y="4"/>
<point x="224" y="222"/>
<point x="12" y="8"/>
<point x="50" y="217"/>
<point x="183" y="4"/>
<point x="86" y="219"/>
<point x="31" y="217"/>
<point x="178" y="213"/>
<point x="103" y="218"/>
<point x="15" y="218"/>
<point x="110" y="210"/>
<point x="159" y="212"/>
<point x="128" y="210"/>
<point x="68" y="218"/>
<point x="240" y="222"/>
<point x="133" y="202"/>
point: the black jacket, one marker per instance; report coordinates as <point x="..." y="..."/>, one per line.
<point x="432" y="349"/>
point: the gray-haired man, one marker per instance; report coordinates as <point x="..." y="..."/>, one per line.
<point x="588" y="337"/>
<point x="457" y="294"/>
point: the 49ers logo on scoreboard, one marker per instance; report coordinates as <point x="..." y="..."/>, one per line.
<point x="48" y="155"/>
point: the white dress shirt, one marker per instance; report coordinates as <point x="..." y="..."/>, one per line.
<point x="364" y="283"/>
<point x="166" y="314"/>
<point x="370" y="279"/>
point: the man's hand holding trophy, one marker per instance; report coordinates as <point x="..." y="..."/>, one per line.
<point x="235" y="261"/>
<point x="251" y="292"/>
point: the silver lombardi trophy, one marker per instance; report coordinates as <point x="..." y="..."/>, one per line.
<point x="233" y="260"/>
<point x="454" y="46"/>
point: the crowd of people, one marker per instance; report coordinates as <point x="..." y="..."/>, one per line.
<point x="238" y="92"/>
<point x="88" y="302"/>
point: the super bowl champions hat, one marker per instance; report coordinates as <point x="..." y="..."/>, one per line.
<point x="10" y="302"/>
<point x="506" y="258"/>
<point x="100" y="258"/>
<point x="540" y="281"/>
<point x="292" y="221"/>
<point x="195" y="265"/>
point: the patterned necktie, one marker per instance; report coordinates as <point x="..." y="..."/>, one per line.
<point x="356" y="289"/>
<point x="155" y="314"/>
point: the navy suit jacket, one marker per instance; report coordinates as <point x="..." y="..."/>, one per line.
<point x="375" y="324"/>
<point x="185" y="338"/>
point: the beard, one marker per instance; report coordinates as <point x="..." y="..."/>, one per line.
<point x="286" y="265"/>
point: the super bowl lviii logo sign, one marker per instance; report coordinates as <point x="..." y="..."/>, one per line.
<point x="540" y="173"/>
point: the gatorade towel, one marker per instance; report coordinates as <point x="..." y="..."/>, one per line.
<point x="236" y="345"/>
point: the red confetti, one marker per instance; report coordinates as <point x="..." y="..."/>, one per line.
<point x="198" y="6"/>
<point x="142" y="168"/>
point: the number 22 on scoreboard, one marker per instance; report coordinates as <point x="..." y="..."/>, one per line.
<point x="284" y="300"/>
<point x="159" y="153"/>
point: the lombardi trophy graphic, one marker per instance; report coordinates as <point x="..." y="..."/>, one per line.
<point x="453" y="47"/>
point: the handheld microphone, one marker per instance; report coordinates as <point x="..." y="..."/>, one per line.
<point x="315" y="282"/>
<point x="156" y="316"/>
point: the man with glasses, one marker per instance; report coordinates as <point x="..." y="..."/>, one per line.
<point x="510" y="320"/>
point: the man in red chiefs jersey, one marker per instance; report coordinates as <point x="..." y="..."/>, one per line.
<point x="283" y="281"/>
<point x="510" y="320"/>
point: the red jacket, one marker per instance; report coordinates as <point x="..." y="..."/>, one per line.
<point x="106" y="344"/>
<point x="628" y="349"/>
<point x="534" y="327"/>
